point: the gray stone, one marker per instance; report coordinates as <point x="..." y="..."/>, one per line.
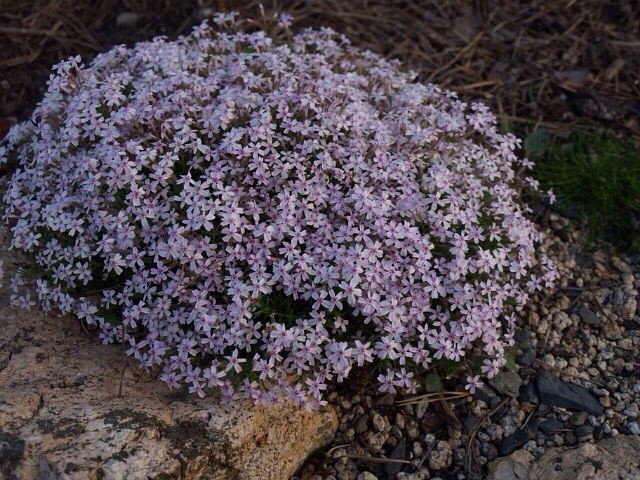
<point x="507" y="383"/>
<point x="554" y="391"/>
<point x="584" y="433"/>
<point x="376" y="440"/>
<point x="362" y="424"/>
<point x="468" y="423"/>
<point x="570" y="438"/>
<point x="598" y="432"/>
<point x="398" y="453"/>
<point x="522" y="339"/>
<point x="421" y="409"/>
<point x="423" y="474"/>
<point x="519" y="438"/>
<point x="495" y="432"/>
<point x="367" y="476"/>
<point x="561" y="321"/>
<point x="632" y="411"/>
<point x="529" y="393"/>
<point x="527" y="357"/>
<point x="588" y="316"/>
<point x="486" y="394"/>
<point x="440" y="456"/>
<point x="11" y="453"/>
<point x="551" y="426"/>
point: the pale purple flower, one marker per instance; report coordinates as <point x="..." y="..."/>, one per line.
<point x="387" y="383"/>
<point x="473" y="382"/>
<point x="198" y="180"/>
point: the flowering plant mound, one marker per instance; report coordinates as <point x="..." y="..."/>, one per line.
<point x="254" y="217"/>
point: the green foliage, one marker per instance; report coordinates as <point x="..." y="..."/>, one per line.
<point x="536" y="143"/>
<point x="278" y="307"/>
<point x="432" y="383"/>
<point x="595" y="177"/>
<point x="511" y="362"/>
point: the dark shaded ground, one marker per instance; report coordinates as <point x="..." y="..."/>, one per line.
<point x="554" y="63"/>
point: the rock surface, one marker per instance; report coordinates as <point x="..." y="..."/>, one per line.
<point x="507" y="383"/>
<point x="519" y="438"/>
<point x="514" y="467"/>
<point x="611" y="459"/>
<point x="554" y="391"/>
<point x="61" y="416"/>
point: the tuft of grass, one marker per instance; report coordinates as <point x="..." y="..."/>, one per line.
<point x="595" y="177"/>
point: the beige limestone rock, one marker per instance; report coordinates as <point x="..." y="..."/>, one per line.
<point x="610" y="459"/>
<point x="613" y="458"/>
<point x="512" y="467"/>
<point x="61" y="415"/>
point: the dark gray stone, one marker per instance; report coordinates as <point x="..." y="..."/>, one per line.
<point x="486" y="394"/>
<point x="526" y="358"/>
<point x="543" y="410"/>
<point x="588" y="316"/>
<point x="570" y="439"/>
<point x="468" y="423"/>
<point x="584" y="433"/>
<point x="554" y="391"/>
<point x="522" y="339"/>
<point x="398" y="453"/>
<point x="551" y="426"/>
<point x="361" y="425"/>
<point x="519" y="438"/>
<point x="598" y="432"/>
<point x="529" y="393"/>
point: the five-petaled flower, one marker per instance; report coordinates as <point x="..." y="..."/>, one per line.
<point x="262" y="217"/>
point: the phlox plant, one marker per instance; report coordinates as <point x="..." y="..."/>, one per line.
<point x="255" y="218"/>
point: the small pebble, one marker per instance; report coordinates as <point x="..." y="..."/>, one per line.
<point x="441" y="456"/>
<point x="420" y="409"/>
<point x="578" y="418"/>
<point x="367" y="476"/>
<point x="584" y="433"/>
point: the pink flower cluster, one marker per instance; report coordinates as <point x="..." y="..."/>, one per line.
<point x="176" y="194"/>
